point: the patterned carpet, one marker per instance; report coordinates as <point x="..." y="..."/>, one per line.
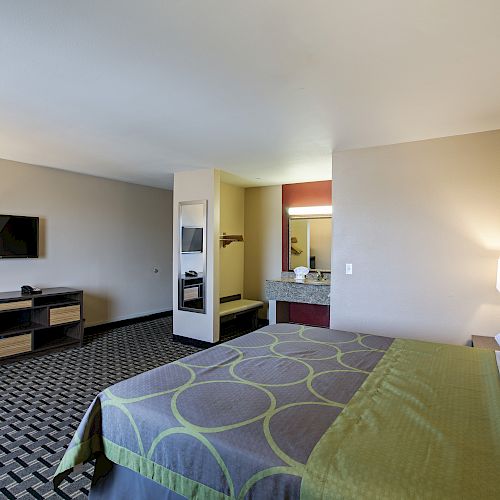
<point x="44" y="398"/>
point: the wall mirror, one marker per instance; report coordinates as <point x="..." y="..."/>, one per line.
<point x="310" y="240"/>
<point x="192" y="256"/>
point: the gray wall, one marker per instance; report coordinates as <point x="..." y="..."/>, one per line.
<point x="420" y="222"/>
<point x="99" y="235"/>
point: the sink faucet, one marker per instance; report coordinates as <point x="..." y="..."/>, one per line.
<point x="319" y="276"/>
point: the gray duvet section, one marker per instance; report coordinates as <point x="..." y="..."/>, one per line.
<point x="243" y="417"/>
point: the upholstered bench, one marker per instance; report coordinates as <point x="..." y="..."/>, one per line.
<point x="234" y="306"/>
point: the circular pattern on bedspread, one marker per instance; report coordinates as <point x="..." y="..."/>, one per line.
<point x="332" y="336"/>
<point x="337" y="385"/>
<point x="290" y="421"/>
<point x="273" y="392"/>
<point x="257" y="339"/>
<point x="271" y="370"/>
<point x="220" y="405"/>
<point x="315" y="351"/>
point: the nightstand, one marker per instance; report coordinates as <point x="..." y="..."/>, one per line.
<point x="485" y="342"/>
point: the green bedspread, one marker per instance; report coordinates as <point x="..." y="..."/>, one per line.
<point x="425" y="424"/>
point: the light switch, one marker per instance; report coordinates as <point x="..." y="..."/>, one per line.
<point x="348" y="268"/>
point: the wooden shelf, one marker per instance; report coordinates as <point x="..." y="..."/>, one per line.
<point x="34" y="322"/>
<point x="16" y="305"/>
<point x="227" y="239"/>
<point x="63" y="303"/>
<point x="21" y="328"/>
<point x="56" y="344"/>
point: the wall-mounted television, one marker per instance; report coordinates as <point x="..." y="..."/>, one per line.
<point x="18" y="237"/>
<point x="192" y="239"/>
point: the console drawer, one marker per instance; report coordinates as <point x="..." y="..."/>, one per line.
<point x="17" y="304"/>
<point x="18" y="344"/>
<point x="61" y="315"/>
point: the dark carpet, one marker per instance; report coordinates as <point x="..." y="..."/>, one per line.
<point x="43" y="399"/>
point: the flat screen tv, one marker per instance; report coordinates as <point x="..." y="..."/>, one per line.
<point x="192" y="239"/>
<point x="18" y="237"/>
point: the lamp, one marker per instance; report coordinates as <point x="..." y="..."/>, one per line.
<point x="498" y="275"/>
<point x="321" y="210"/>
<point x="497" y="336"/>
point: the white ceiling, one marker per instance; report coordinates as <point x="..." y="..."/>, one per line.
<point x="264" y="89"/>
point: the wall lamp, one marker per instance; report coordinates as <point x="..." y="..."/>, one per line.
<point x="498" y="275"/>
<point x="321" y="210"/>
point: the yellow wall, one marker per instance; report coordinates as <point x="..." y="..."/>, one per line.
<point x="263" y="239"/>
<point x="232" y="257"/>
<point x="299" y="229"/>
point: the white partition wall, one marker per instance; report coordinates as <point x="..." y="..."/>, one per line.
<point x="198" y="186"/>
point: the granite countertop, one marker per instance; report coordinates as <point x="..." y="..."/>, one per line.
<point x="307" y="281"/>
<point x="286" y="289"/>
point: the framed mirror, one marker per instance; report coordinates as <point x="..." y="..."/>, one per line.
<point x="192" y="256"/>
<point x="310" y="242"/>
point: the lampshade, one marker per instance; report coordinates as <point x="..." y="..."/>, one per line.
<point x="498" y="275"/>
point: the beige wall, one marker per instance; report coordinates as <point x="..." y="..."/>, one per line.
<point x="99" y="235"/>
<point x="420" y="222"/>
<point x="232" y="257"/>
<point x="262" y="239"/>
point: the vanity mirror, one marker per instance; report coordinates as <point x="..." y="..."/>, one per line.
<point x="310" y="237"/>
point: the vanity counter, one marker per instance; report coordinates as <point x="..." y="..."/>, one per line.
<point x="308" y="291"/>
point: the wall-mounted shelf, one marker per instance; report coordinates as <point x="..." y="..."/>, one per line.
<point x="227" y="239"/>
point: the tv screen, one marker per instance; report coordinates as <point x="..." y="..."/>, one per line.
<point x="192" y="239"/>
<point x="18" y="236"/>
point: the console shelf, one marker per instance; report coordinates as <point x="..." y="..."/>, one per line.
<point x="32" y="324"/>
<point x="21" y="328"/>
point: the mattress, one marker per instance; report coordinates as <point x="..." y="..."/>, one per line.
<point x="297" y="412"/>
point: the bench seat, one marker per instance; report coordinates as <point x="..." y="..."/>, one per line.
<point x="239" y="306"/>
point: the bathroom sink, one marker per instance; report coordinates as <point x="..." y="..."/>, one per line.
<point x="315" y="281"/>
<point x="307" y="281"/>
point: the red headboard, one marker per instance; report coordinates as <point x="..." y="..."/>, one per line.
<point x="305" y="194"/>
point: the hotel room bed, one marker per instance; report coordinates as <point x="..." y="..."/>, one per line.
<point x="297" y="412"/>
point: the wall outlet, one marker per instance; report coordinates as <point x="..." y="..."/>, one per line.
<point x="348" y="268"/>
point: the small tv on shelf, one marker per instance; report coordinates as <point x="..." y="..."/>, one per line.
<point x="18" y="237"/>
<point x="192" y="239"/>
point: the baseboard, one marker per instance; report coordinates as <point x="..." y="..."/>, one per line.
<point x="149" y="317"/>
<point x="194" y="342"/>
<point x="203" y="344"/>
<point x="125" y="322"/>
